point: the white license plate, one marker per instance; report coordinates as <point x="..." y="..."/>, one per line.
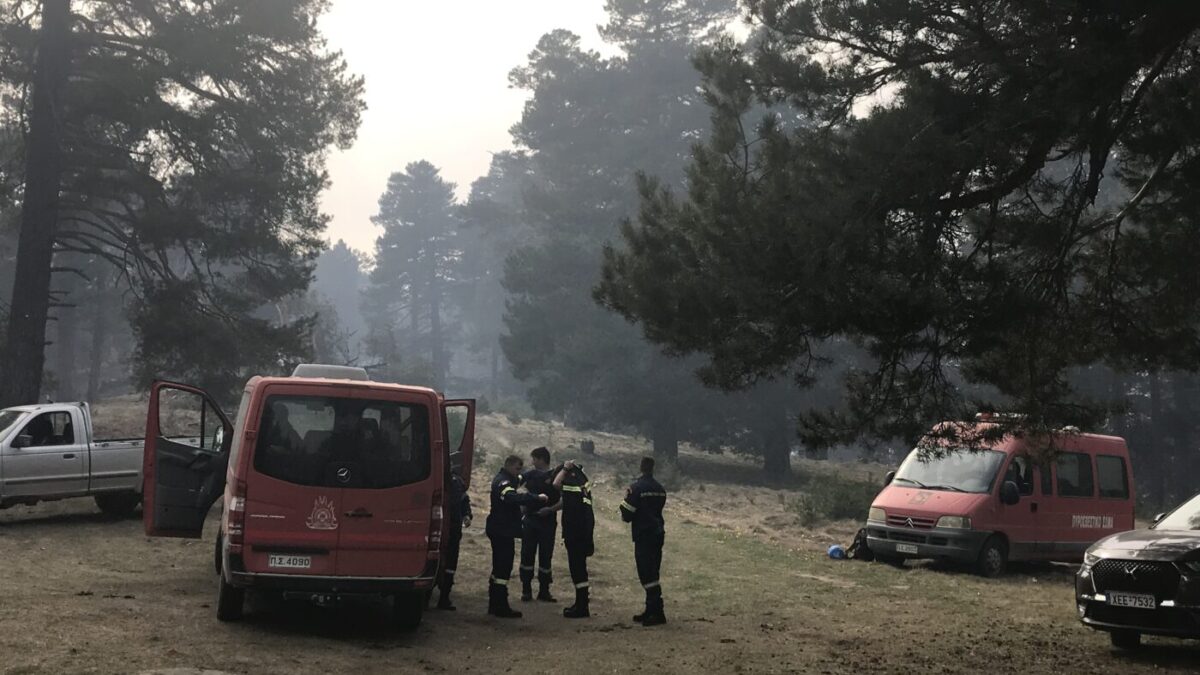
<point x="289" y="562"/>
<point x="907" y="548"/>
<point x="1135" y="600"/>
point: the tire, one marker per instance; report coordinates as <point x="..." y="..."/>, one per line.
<point x="1126" y="640"/>
<point x="407" y="611"/>
<point x="118" y="504"/>
<point x="217" y="552"/>
<point x="993" y="558"/>
<point x="231" y="600"/>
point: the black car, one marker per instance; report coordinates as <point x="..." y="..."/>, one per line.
<point x="1145" y="582"/>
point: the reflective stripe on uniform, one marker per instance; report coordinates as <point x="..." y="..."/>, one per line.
<point x="587" y="485"/>
<point x="572" y="488"/>
<point x="587" y="501"/>
<point x="652" y="584"/>
<point x="545" y="570"/>
<point x="507" y="490"/>
<point x="583" y="584"/>
<point x="450" y="572"/>
<point x="499" y="582"/>
<point x="527" y="568"/>
<point x="629" y="507"/>
<point x="654" y="494"/>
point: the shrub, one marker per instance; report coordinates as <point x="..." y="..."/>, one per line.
<point x="832" y="497"/>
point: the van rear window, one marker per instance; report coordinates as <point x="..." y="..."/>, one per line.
<point x="1075" y="475"/>
<point x="343" y="442"/>
<point x="1114" y="481"/>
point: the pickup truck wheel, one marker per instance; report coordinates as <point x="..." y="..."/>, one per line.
<point x="993" y="558"/>
<point x="118" y="504"/>
<point x="231" y="600"/>
<point x="1127" y="640"/>
<point x="408" y="609"/>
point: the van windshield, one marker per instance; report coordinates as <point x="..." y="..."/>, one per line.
<point x="959" y="470"/>
<point x="343" y="442"/>
<point x="1186" y="517"/>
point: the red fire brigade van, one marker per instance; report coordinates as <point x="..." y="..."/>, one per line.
<point x="333" y="484"/>
<point x="993" y="504"/>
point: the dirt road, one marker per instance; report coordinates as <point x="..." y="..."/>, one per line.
<point x="81" y="593"/>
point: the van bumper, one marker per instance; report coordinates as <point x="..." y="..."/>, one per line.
<point x="236" y="575"/>
<point x="940" y="543"/>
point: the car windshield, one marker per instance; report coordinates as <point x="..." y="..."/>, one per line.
<point x="958" y="470"/>
<point x="7" y="419"/>
<point x="1186" y="517"/>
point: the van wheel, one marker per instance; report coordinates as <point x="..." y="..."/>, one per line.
<point x="231" y="600"/>
<point x="1127" y="640"/>
<point x="993" y="558"/>
<point x="408" y="608"/>
<point x="118" y="504"/>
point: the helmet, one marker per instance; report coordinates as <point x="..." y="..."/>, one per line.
<point x="837" y="552"/>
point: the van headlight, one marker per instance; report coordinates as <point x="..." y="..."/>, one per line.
<point x="954" y="522"/>
<point x="877" y="515"/>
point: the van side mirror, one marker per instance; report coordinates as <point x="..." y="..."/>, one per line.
<point x="888" y="478"/>
<point x="22" y="441"/>
<point x="1010" y="494"/>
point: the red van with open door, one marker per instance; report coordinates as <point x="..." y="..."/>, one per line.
<point x="333" y="485"/>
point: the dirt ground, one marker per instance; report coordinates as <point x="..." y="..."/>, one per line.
<point x="747" y="589"/>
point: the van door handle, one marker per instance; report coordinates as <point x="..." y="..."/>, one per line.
<point x="360" y="512"/>
<point x="69" y="456"/>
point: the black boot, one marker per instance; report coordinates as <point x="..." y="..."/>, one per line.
<point x="526" y="591"/>
<point x="498" y="603"/>
<point x="444" y="600"/>
<point x="544" y="594"/>
<point x="654" y="619"/>
<point x="654" y="615"/>
<point x="579" y="610"/>
<point x="638" y="618"/>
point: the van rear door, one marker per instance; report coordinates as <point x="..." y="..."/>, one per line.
<point x="184" y="460"/>
<point x="392" y="470"/>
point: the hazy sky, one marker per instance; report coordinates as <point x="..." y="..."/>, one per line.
<point x="437" y="89"/>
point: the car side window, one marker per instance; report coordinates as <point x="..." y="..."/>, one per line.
<point x="1075" y="475"/>
<point x="1113" y="478"/>
<point x="50" y="429"/>
<point x="1020" y="471"/>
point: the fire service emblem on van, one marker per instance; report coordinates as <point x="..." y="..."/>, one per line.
<point x="323" y="516"/>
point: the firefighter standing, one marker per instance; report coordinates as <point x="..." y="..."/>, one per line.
<point x="578" y="522"/>
<point x="503" y="527"/>
<point x="643" y="509"/>
<point x="538" y="528"/>
<point x="460" y="517"/>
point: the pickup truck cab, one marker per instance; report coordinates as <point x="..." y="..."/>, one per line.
<point x="332" y="485"/>
<point x="992" y="504"/>
<point x="47" y="453"/>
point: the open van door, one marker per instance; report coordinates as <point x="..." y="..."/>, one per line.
<point x="185" y="459"/>
<point x="460" y="416"/>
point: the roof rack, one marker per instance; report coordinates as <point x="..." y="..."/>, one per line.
<point x="326" y="372"/>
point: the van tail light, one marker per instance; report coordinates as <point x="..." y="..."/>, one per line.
<point x="235" y="518"/>
<point x="435" y="527"/>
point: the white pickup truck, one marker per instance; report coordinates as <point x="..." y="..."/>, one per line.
<point x="47" y="453"/>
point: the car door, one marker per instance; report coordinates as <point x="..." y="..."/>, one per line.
<point x="44" y="458"/>
<point x="185" y="458"/>
<point x="460" y="428"/>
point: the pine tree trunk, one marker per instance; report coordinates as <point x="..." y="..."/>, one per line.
<point x="100" y="327"/>
<point x="776" y="449"/>
<point x="666" y="439"/>
<point x="25" y="348"/>
<point x="1161" y="452"/>
<point x="440" y="367"/>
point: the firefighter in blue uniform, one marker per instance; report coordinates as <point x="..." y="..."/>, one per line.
<point x="503" y="528"/>
<point x="643" y="509"/>
<point x="538" y="528"/>
<point x="578" y="522"/>
<point x="459" y="511"/>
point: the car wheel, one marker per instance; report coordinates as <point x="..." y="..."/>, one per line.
<point x="993" y="558"/>
<point x="231" y="600"/>
<point x="1126" y="639"/>
<point x="118" y="504"/>
<point x="408" y="608"/>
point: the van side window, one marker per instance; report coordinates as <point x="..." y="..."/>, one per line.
<point x="50" y="429"/>
<point x="343" y="442"/>
<point x="1047" y="480"/>
<point x="1113" y="479"/>
<point x="1075" y="475"/>
<point x="1021" y="473"/>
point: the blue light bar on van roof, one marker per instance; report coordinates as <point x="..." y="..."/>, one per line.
<point x="326" y="372"/>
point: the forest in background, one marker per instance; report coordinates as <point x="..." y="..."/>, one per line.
<point x="716" y="235"/>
